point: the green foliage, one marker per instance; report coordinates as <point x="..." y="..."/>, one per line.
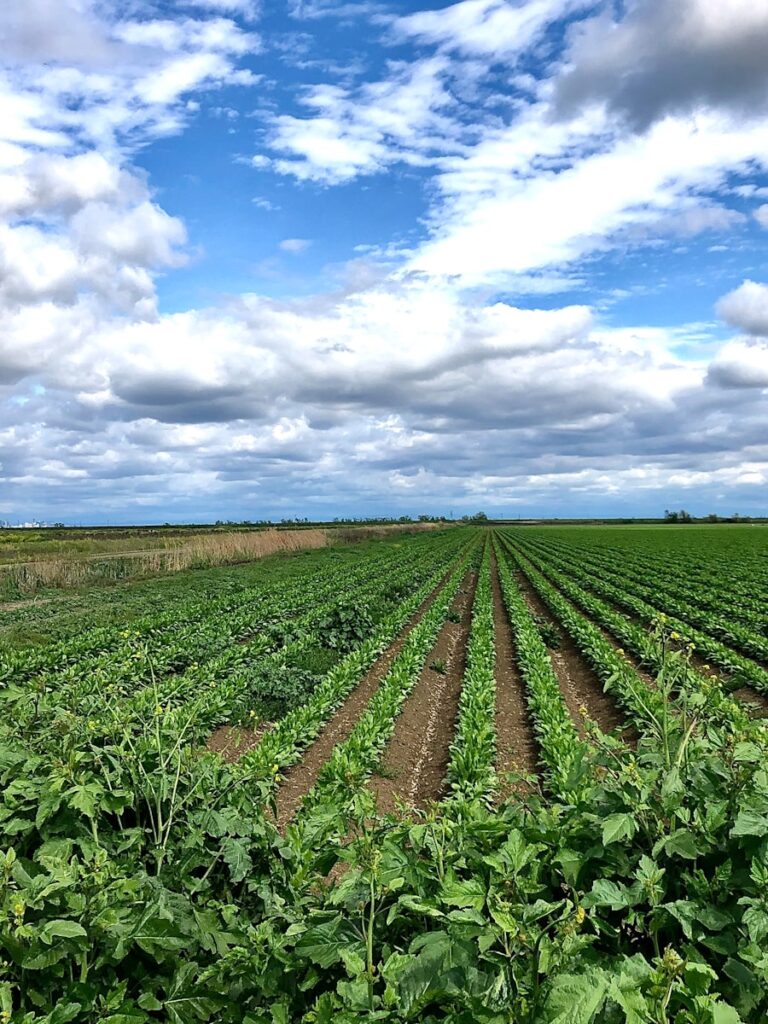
<point x="143" y="880"/>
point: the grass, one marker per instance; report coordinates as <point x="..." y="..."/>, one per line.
<point x="83" y="561"/>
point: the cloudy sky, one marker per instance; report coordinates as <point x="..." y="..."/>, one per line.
<point x="322" y="258"/>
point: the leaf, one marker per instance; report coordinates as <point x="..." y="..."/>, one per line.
<point x="756" y="920"/>
<point x="149" y="1002"/>
<point x="724" y="1013"/>
<point x="470" y="893"/>
<point x="618" y="826"/>
<point x="62" y="930"/>
<point x="606" y="894"/>
<point x="354" y="994"/>
<point x="681" y="843"/>
<point x="323" y="943"/>
<point x="750" y="823"/>
<point x="576" y="998"/>
<point x="237" y="858"/>
<point x="747" y="753"/>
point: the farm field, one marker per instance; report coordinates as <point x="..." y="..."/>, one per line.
<point x="497" y="775"/>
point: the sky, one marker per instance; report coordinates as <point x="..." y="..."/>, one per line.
<point x="266" y="259"/>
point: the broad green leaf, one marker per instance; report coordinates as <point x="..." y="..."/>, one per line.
<point x="682" y="844"/>
<point x="469" y="893"/>
<point x="237" y="858"/>
<point x="724" y="1013"/>
<point x="576" y="998"/>
<point x="323" y="943"/>
<point x="618" y="826"/>
<point x="62" y="930"/>
<point x="606" y="894"/>
<point x="750" y="823"/>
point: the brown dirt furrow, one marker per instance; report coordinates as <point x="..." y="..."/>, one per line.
<point x="301" y="777"/>
<point x="233" y="741"/>
<point x="416" y="757"/>
<point x="580" y="686"/>
<point x="755" y="702"/>
<point x="516" y="747"/>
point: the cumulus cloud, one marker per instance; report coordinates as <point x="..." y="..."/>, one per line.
<point x="761" y="215"/>
<point x="742" y="363"/>
<point x="668" y="58"/>
<point x="746" y="308"/>
<point x="422" y="378"/>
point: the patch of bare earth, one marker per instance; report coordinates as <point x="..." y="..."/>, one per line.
<point x="416" y="757"/>
<point x="300" y="778"/>
<point x="516" y="748"/>
<point x="579" y="685"/>
<point x="233" y="741"/>
<point x="755" y="702"/>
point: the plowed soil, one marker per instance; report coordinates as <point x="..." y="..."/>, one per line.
<point x="756" y="703"/>
<point x="300" y="778"/>
<point x="416" y="757"/>
<point x="516" y="748"/>
<point x="232" y="741"/>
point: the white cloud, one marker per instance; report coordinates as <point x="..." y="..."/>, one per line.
<point x="746" y="308"/>
<point x="295" y="245"/>
<point x="487" y="28"/>
<point x="741" y="363"/>
<point x="761" y="215"/>
<point x="403" y="117"/>
<point x="510" y="209"/>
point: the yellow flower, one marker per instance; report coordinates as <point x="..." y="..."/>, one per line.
<point x="91" y="724"/>
<point x="580" y="915"/>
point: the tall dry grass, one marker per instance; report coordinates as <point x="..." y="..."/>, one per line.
<point x="203" y="552"/>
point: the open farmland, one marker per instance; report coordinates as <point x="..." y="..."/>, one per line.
<point x="473" y="775"/>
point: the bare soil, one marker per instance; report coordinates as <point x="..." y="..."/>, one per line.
<point x="233" y="741"/>
<point x="516" y="747"/>
<point x="756" y="702"/>
<point x="580" y="685"/>
<point x="416" y="757"/>
<point x="301" y="777"/>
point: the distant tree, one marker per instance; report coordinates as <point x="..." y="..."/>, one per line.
<point x="713" y="517"/>
<point x="671" y="516"/>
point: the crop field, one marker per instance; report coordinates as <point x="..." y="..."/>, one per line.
<point x="477" y="775"/>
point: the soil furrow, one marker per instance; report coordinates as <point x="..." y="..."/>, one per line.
<point x="580" y="686"/>
<point x="756" y="703"/>
<point x="301" y="777"/>
<point x="516" y="747"/>
<point x="231" y="742"/>
<point x="415" y="760"/>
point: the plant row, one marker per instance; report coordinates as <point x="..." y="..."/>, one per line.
<point x="471" y="774"/>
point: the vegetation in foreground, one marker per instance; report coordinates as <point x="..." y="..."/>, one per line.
<point x="143" y="879"/>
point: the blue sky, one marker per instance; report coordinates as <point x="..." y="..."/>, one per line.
<point x="374" y="258"/>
